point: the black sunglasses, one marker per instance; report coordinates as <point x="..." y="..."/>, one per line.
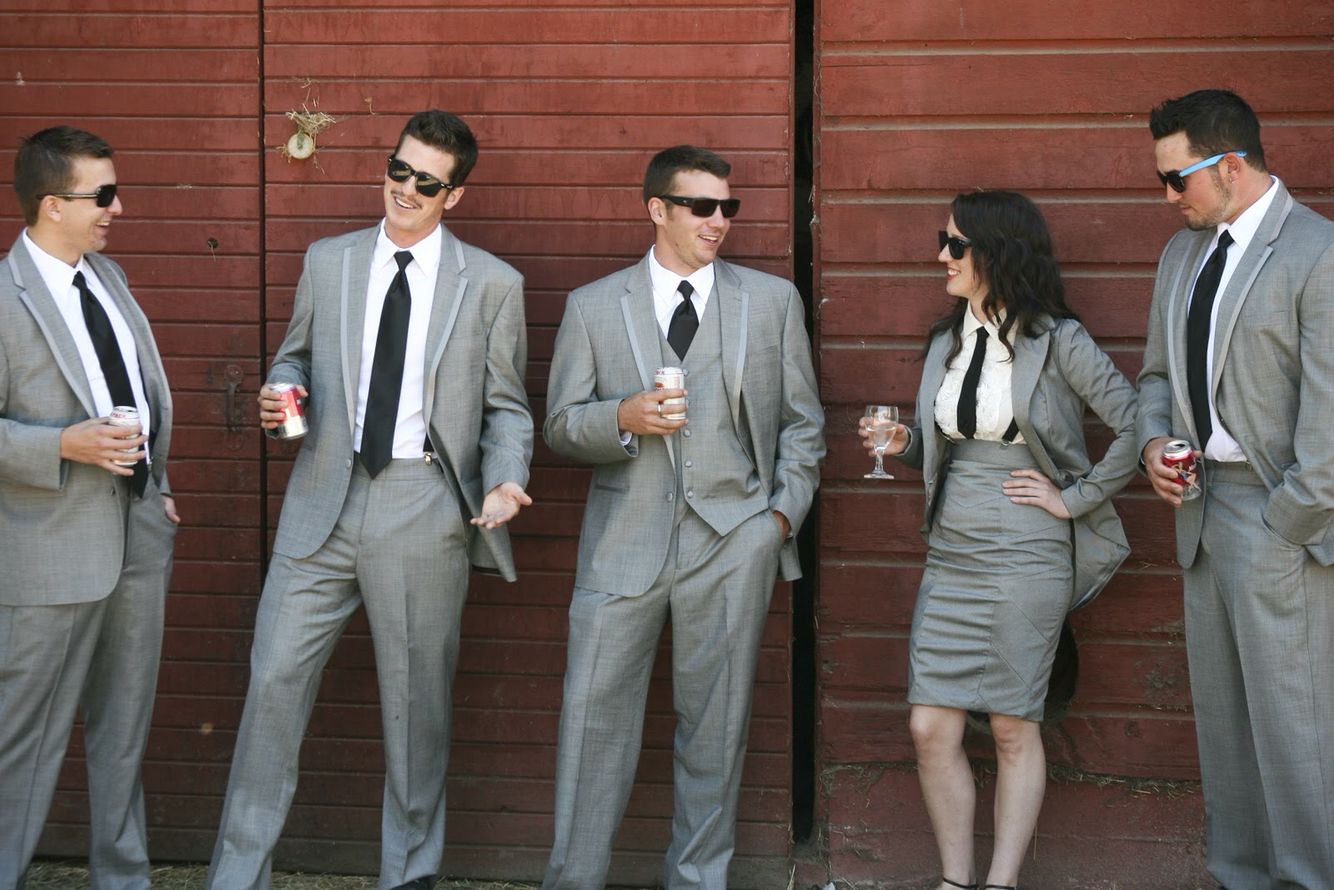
<point x="706" y="206"/>
<point x="427" y="185"/>
<point x="105" y="195"/>
<point x="957" y="245"/>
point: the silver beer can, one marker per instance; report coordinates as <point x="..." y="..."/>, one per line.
<point x="126" y="415"/>
<point x="671" y="378"/>
<point x="293" y="425"/>
<point x="1180" y="456"/>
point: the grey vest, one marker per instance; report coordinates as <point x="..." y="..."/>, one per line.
<point x="715" y="476"/>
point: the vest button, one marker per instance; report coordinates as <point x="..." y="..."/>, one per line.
<point x="690" y="493"/>
<point x="686" y="433"/>
<point x="670" y="497"/>
<point x="690" y="463"/>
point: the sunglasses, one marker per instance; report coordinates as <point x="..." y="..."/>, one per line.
<point x="427" y="185"/>
<point x="705" y="207"/>
<point x="957" y="245"/>
<point x="105" y="195"/>
<point x="1177" y="178"/>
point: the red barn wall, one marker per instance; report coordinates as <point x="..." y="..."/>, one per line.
<point x="912" y="107"/>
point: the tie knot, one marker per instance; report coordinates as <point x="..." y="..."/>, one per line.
<point x="685" y="289"/>
<point x="80" y="282"/>
<point x="1224" y="239"/>
<point x="403" y="257"/>
<point x="982" y="335"/>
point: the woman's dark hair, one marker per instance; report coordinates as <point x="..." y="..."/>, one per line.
<point x="1011" y="251"/>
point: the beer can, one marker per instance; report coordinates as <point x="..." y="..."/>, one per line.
<point x="126" y="415"/>
<point x="1179" y="455"/>
<point x="293" y="425"/>
<point x="671" y="378"/>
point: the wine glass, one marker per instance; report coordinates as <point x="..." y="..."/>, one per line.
<point x="880" y="420"/>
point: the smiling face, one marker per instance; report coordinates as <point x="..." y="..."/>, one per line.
<point x="962" y="278"/>
<point x="685" y="242"/>
<point x="67" y="228"/>
<point x="1209" y="197"/>
<point x="410" y="216"/>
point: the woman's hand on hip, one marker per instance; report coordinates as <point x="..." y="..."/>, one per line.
<point x="1032" y="488"/>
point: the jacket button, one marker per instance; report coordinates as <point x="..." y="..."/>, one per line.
<point x="686" y="433"/>
<point x="690" y="463"/>
<point x="670" y="497"/>
<point x="690" y="492"/>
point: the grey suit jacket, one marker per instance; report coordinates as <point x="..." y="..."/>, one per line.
<point x="62" y="529"/>
<point x="475" y="404"/>
<point x="1054" y="376"/>
<point x="1273" y="369"/>
<point x="607" y="350"/>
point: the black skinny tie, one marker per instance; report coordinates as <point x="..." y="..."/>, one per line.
<point x="1198" y="323"/>
<point x="681" y="330"/>
<point x="968" y="394"/>
<point x="391" y="344"/>
<point x="112" y="362"/>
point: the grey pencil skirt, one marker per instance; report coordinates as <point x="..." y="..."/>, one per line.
<point x="998" y="583"/>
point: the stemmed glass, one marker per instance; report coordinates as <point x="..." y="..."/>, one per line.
<point x="880" y="420"/>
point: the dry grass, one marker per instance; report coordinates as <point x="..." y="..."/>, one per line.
<point x="74" y="875"/>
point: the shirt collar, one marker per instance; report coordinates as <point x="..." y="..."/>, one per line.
<point x="1248" y="223"/>
<point x="665" y="281"/>
<point x="57" y="275"/>
<point x="970" y="324"/>
<point x="425" y="253"/>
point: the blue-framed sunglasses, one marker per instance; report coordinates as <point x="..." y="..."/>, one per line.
<point x="1177" y="178"/>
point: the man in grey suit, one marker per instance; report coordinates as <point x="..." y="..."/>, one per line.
<point x="85" y="542"/>
<point x="691" y="518"/>
<point x="411" y="347"/>
<point x="1239" y="362"/>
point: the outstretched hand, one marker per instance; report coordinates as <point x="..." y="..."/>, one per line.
<point x="501" y="504"/>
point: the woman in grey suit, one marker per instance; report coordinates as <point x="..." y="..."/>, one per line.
<point x="1019" y="526"/>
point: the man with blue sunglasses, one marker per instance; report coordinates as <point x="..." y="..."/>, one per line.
<point x="1238" y="362"/>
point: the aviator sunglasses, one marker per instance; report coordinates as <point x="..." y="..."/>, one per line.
<point x="957" y="245"/>
<point x="427" y="185"/>
<point x="705" y="206"/>
<point x="1177" y="178"/>
<point x="105" y="195"/>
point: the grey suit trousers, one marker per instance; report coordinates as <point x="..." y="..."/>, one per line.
<point x="716" y="590"/>
<point x="100" y="658"/>
<point x="398" y="547"/>
<point x="1260" y="639"/>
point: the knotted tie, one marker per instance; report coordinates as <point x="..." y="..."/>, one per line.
<point x="112" y="362"/>
<point x="684" y="322"/>
<point x="391" y="344"/>
<point x="1198" y="323"/>
<point x="968" y="394"/>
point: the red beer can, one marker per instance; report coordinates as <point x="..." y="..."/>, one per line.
<point x="293" y="425"/>
<point x="671" y="378"/>
<point x="1179" y="455"/>
<point x="126" y="415"/>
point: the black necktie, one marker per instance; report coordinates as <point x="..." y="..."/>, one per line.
<point x="684" y="321"/>
<point x="391" y="344"/>
<point x="968" y="394"/>
<point x="1198" y="323"/>
<point x="112" y="362"/>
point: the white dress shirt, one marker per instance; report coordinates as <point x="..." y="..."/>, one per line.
<point x="58" y="276"/>
<point x="995" y="406"/>
<point x="1221" y="445"/>
<point x="665" y="296"/>
<point x="410" y="431"/>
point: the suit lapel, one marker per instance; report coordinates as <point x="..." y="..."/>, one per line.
<point x="450" y="286"/>
<point x="354" y="278"/>
<point x="641" y="327"/>
<point x="734" y="317"/>
<point x="32" y="291"/>
<point x="1239" y="285"/>
<point x="1030" y="356"/>
<point x="1176" y="319"/>
<point x="151" y="370"/>
<point x="933" y="375"/>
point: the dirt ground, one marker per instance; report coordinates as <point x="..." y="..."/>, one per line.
<point x="74" y="875"/>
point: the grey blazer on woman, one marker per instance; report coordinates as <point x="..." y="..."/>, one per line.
<point x="1055" y="375"/>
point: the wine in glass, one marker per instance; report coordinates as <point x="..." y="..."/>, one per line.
<point x="880" y="420"/>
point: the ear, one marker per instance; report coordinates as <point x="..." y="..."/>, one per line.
<point x="454" y="197"/>
<point x="49" y="208"/>
<point x="657" y="210"/>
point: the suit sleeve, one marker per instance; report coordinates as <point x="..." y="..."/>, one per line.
<point x="1155" y="385"/>
<point x="579" y="424"/>
<point x="31" y="451"/>
<point x="1300" y="507"/>
<point x="292" y="363"/>
<point x="801" y="444"/>
<point x="1102" y="387"/>
<point x="507" y="424"/>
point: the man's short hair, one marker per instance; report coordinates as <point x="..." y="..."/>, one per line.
<point x="447" y="132"/>
<point x="44" y="164"/>
<point x="1214" y="121"/>
<point x="667" y="163"/>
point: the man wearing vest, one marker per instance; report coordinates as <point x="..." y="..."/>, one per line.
<point x="85" y="541"/>
<point x="688" y="518"/>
